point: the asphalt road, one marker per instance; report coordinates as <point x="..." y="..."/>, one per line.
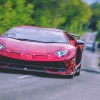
<point x="16" y="85"/>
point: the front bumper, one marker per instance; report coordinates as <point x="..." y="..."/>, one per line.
<point x="53" y="67"/>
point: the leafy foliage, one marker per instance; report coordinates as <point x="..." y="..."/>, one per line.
<point x="14" y="13"/>
<point x="70" y="15"/>
<point x="95" y="19"/>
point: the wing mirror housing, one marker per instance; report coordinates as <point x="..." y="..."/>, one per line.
<point x="79" y="42"/>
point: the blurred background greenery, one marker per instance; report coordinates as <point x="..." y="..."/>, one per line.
<point x="74" y="16"/>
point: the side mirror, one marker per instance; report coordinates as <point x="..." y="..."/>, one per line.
<point x="79" y="42"/>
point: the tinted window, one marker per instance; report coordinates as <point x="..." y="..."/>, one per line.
<point x="37" y="34"/>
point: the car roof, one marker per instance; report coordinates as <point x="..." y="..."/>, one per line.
<point x="49" y="29"/>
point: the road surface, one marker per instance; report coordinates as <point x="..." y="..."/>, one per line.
<point x="28" y="86"/>
<point x="18" y="85"/>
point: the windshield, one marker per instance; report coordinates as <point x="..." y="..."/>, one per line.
<point x="36" y="34"/>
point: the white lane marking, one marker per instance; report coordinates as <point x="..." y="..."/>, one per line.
<point x="24" y="76"/>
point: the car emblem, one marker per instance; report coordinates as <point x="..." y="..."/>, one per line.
<point x="27" y="54"/>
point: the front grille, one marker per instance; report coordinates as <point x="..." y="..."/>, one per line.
<point x="32" y="64"/>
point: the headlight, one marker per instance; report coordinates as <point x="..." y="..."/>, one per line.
<point x="1" y="47"/>
<point x="61" y="53"/>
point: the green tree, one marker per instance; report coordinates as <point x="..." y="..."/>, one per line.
<point x="70" y="15"/>
<point x="95" y="19"/>
<point x="14" y="13"/>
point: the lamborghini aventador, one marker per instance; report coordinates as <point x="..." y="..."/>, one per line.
<point x="36" y="49"/>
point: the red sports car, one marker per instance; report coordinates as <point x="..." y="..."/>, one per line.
<point x="37" y="49"/>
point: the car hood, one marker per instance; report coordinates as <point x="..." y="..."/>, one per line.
<point x="34" y="47"/>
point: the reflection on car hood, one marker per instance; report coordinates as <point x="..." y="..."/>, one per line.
<point x="36" y="47"/>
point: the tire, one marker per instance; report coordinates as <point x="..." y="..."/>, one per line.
<point x="78" y="56"/>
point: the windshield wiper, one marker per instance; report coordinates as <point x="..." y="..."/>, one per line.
<point x="55" y="42"/>
<point x="27" y="40"/>
<point x="36" y="40"/>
